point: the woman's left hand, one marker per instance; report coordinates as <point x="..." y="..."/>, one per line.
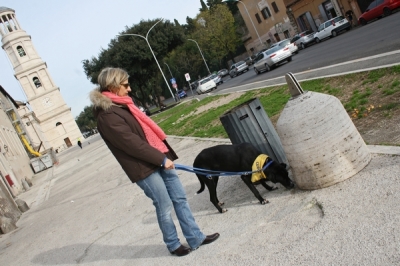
<point x="169" y="164"/>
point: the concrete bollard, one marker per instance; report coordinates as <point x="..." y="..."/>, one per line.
<point x="7" y="225"/>
<point x="321" y="143"/>
<point x="25" y="185"/>
<point x="22" y="206"/>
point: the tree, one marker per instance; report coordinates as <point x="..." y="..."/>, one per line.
<point x="217" y="36"/>
<point x="133" y="54"/>
<point x="203" y="6"/>
<point x="86" y="120"/>
<point x="213" y="3"/>
<point x="190" y="26"/>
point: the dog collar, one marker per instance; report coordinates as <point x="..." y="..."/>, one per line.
<point x="257" y="168"/>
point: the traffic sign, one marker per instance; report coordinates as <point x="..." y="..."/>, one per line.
<point x="187" y="77"/>
<point x="175" y="85"/>
<point x="173" y="81"/>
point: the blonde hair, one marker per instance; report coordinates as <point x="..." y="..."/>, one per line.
<point x="110" y="78"/>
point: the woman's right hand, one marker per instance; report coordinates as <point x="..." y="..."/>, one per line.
<point x="169" y="164"/>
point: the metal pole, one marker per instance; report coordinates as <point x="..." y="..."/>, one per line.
<point x="225" y="1"/>
<point x="155" y="58"/>
<point x="201" y="55"/>
<point x="169" y="70"/>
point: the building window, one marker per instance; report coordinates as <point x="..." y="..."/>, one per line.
<point x="278" y="39"/>
<point x="275" y="7"/>
<point x="21" y="51"/>
<point x="62" y="131"/>
<point x="258" y="18"/>
<point x="37" y="82"/>
<point x="286" y="33"/>
<point x="265" y="12"/>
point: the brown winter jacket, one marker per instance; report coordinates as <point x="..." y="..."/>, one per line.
<point x="125" y="138"/>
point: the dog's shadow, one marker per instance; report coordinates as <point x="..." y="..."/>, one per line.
<point x="233" y="192"/>
<point x="86" y="253"/>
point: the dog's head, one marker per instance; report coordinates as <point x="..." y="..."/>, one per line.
<point x="277" y="173"/>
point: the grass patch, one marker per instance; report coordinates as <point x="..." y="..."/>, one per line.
<point x="358" y="100"/>
<point x="201" y="118"/>
<point x="375" y="75"/>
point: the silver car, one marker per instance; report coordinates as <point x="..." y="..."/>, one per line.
<point x="238" y="68"/>
<point x="217" y="79"/>
<point x="223" y="72"/>
<point x="286" y="43"/>
<point x="268" y="59"/>
<point x="304" y="39"/>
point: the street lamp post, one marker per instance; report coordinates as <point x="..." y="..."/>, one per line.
<point x="169" y="69"/>
<point x="201" y="55"/>
<point x="155" y="58"/>
<point x="176" y="95"/>
<point x="228" y="1"/>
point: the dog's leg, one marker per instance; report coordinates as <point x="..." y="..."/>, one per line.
<point x="264" y="184"/>
<point x="247" y="181"/>
<point x="212" y="188"/>
<point x="216" y="178"/>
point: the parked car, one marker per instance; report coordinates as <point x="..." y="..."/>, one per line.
<point x="206" y="85"/>
<point x="194" y="84"/>
<point x="303" y="39"/>
<point x="331" y="28"/>
<point x="223" y="72"/>
<point x="268" y="59"/>
<point x="249" y="60"/>
<point x="182" y="94"/>
<point x="217" y="79"/>
<point x="238" y="68"/>
<point x="378" y="8"/>
<point x="287" y="44"/>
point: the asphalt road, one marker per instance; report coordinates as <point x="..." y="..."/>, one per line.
<point x="372" y="46"/>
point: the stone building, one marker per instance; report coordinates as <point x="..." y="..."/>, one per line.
<point x="267" y="23"/>
<point x="57" y="124"/>
<point x="310" y="14"/>
<point x="15" y="169"/>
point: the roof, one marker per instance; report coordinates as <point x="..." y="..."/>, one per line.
<point x="3" y="91"/>
<point x="4" y="9"/>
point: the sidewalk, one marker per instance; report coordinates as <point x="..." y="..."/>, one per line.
<point x="86" y="211"/>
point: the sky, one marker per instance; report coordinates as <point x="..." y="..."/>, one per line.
<point x="66" y="32"/>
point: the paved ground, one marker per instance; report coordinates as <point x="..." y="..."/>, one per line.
<point x="86" y="211"/>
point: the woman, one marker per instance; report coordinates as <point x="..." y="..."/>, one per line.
<point x="140" y="147"/>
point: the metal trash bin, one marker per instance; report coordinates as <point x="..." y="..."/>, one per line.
<point x="41" y="163"/>
<point x="250" y="123"/>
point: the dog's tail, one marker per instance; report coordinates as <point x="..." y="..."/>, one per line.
<point x="202" y="186"/>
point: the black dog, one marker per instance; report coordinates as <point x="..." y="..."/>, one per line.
<point x="237" y="158"/>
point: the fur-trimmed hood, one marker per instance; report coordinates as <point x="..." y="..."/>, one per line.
<point x="99" y="100"/>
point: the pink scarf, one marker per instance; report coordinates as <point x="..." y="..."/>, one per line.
<point x="154" y="134"/>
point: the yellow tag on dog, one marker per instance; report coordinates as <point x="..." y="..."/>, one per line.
<point x="257" y="166"/>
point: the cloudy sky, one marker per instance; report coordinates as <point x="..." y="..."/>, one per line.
<point x="66" y="32"/>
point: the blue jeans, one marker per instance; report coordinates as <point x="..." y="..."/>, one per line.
<point x="166" y="190"/>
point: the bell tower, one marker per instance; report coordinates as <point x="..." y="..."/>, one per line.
<point x="44" y="97"/>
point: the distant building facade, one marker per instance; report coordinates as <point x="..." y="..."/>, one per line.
<point x="309" y="15"/>
<point x="15" y="168"/>
<point x="271" y="23"/>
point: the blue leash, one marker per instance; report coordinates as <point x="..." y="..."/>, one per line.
<point x="211" y="173"/>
